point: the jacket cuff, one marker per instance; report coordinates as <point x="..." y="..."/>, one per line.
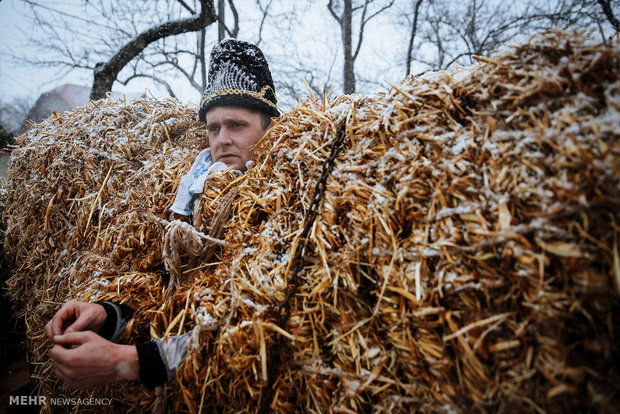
<point x="117" y="316"/>
<point x="153" y="372"/>
<point x="109" y="326"/>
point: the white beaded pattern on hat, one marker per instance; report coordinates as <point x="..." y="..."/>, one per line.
<point x="230" y="76"/>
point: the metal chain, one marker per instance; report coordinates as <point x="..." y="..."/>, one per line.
<point x="319" y="190"/>
<point x="298" y="261"/>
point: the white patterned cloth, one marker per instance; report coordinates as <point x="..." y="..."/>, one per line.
<point x="192" y="183"/>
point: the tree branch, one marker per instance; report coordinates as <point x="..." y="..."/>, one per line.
<point x="379" y="11"/>
<point x="235" y="31"/>
<point x="414" y="29"/>
<point x="152" y="77"/>
<point x="189" y="9"/>
<point x="331" y="9"/>
<point x="106" y="73"/>
<point x="609" y="14"/>
<point x="265" y="12"/>
<point x="360" y="36"/>
<point x="365" y="20"/>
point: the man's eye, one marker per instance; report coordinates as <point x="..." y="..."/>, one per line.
<point x="212" y="128"/>
<point x="237" y="124"/>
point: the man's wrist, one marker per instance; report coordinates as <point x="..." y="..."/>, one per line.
<point x="102" y="316"/>
<point x="127" y="366"/>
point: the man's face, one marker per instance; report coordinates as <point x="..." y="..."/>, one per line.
<point x="233" y="131"/>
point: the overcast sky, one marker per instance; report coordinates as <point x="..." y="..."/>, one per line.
<point x="14" y="81"/>
<point x="316" y="35"/>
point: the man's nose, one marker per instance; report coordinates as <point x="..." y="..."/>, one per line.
<point x="224" y="137"/>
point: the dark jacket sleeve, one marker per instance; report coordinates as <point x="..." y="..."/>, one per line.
<point x="158" y="358"/>
<point x="153" y="372"/>
<point x="117" y="317"/>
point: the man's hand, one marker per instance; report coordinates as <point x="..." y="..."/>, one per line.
<point x="76" y="317"/>
<point x="84" y="360"/>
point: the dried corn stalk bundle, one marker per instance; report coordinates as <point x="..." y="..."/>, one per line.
<point x="86" y="212"/>
<point x="465" y="256"/>
<point x="451" y="244"/>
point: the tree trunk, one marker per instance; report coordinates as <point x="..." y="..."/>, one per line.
<point x="349" y="74"/>
<point x="104" y="77"/>
<point x="202" y="56"/>
<point x="105" y="73"/>
<point x="414" y="29"/>
<point x="221" y="20"/>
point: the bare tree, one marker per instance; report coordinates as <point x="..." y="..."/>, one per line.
<point x="76" y="40"/>
<point x="297" y="78"/>
<point x="133" y="40"/>
<point x="190" y="63"/>
<point x="443" y="32"/>
<point x="106" y="73"/>
<point x="138" y="39"/>
<point x="300" y="64"/>
<point x="343" y="14"/>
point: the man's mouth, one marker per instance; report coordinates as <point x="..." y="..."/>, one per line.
<point x="227" y="157"/>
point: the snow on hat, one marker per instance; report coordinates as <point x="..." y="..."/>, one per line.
<point x="239" y="76"/>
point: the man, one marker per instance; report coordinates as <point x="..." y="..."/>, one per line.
<point x="237" y="107"/>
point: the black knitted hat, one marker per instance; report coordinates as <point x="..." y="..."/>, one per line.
<point x="239" y="76"/>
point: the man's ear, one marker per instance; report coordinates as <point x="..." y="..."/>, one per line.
<point x="266" y="121"/>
